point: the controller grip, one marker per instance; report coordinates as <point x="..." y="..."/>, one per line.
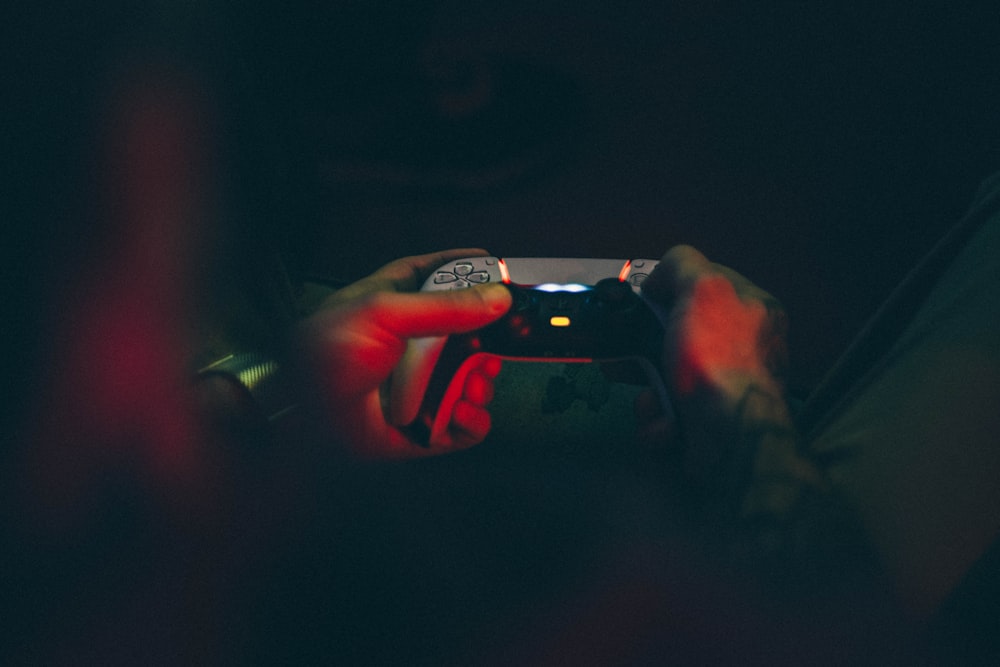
<point x="460" y="356"/>
<point x="444" y="387"/>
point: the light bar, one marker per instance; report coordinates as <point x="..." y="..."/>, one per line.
<point x="559" y="321"/>
<point x="504" y="271"/>
<point x="627" y="269"/>
<point x="554" y="287"/>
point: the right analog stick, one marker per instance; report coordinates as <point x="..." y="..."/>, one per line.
<point x="614" y="294"/>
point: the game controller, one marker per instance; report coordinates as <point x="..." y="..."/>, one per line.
<point x="563" y="310"/>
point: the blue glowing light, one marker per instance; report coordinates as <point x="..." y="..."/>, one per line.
<point x="553" y="287"/>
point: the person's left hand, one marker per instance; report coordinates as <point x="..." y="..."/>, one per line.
<point x="352" y="344"/>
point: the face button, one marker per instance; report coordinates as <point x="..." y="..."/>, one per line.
<point x="478" y="277"/>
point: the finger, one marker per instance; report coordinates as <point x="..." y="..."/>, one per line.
<point x="490" y="366"/>
<point x="773" y="334"/>
<point x="415" y="315"/>
<point x="746" y="289"/>
<point x="683" y="267"/>
<point x="470" y="424"/>
<point x="478" y="389"/>
<point x="406" y="274"/>
<point x="677" y="269"/>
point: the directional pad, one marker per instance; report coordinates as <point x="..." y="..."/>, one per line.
<point x="461" y="276"/>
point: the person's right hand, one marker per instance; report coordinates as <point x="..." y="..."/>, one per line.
<point x="724" y="357"/>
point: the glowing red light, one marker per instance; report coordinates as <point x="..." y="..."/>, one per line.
<point x="504" y="272"/>
<point x="627" y="269"/>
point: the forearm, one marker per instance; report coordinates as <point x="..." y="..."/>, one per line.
<point x="771" y="515"/>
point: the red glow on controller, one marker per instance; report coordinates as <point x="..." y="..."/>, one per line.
<point x="504" y="272"/>
<point x="520" y="326"/>
<point x="627" y="269"/>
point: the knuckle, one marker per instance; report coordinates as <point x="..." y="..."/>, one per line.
<point x="683" y="254"/>
<point x="713" y="288"/>
<point x="375" y="302"/>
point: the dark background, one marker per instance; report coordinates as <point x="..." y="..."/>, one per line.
<point x="819" y="149"/>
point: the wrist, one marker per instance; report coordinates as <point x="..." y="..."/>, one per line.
<point x="254" y="382"/>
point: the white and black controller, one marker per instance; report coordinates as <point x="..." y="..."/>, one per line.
<point x="564" y="310"/>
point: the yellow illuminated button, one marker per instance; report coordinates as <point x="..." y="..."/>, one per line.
<point x="559" y="321"/>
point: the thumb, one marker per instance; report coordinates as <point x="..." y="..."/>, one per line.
<point x="420" y="314"/>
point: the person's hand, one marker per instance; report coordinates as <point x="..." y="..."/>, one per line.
<point x="725" y="355"/>
<point x="724" y="334"/>
<point x="351" y="345"/>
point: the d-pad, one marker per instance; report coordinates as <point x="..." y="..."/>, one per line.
<point x="461" y="276"/>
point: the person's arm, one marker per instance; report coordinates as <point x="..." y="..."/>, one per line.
<point x="759" y="498"/>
